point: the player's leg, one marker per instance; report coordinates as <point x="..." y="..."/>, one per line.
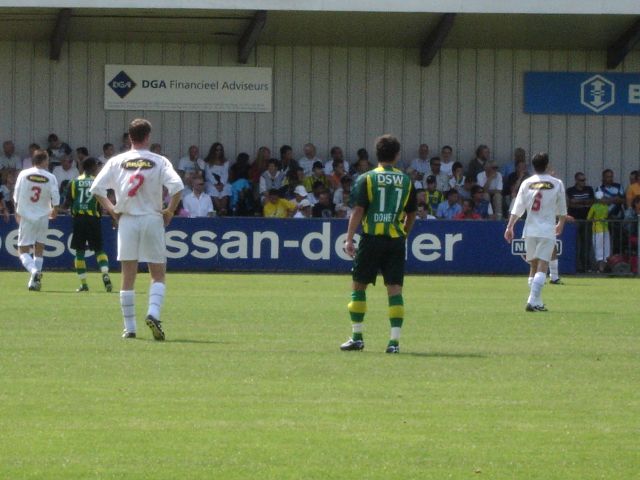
<point x="539" y="252"/>
<point x="95" y="243"/>
<point x="553" y="268"/>
<point x="81" y="269"/>
<point x="153" y="251"/>
<point x="128" y="297"/>
<point x="156" y="299"/>
<point x="357" y="308"/>
<point x="393" y="273"/>
<point x="26" y="241"/>
<point x="396" y="317"/>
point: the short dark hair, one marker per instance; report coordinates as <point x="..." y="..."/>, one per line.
<point x="335" y="163"/>
<point x="139" y="129"/>
<point x="90" y="164"/>
<point x="479" y="149"/>
<point x="334" y="149"/>
<point x="446" y="147"/>
<point x="106" y="145"/>
<point x="434" y="159"/>
<point x="39" y="157"/>
<point x="274" y="191"/>
<point x="52" y="137"/>
<point x="540" y="161"/>
<point x="470" y="201"/>
<point x="607" y="170"/>
<point x="273" y="161"/>
<point x="284" y="149"/>
<point x="453" y="191"/>
<point x="362" y="153"/>
<point x="475" y="189"/>
<point x="83" y="151"/>
<point x="456" y="165"/>
<point x="387" y="148"/>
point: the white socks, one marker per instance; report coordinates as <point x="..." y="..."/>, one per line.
<point x="28" y="263"/>
<point x="536" y="288"/>
<point x="39" y="261"/>
<point x="553" y="269"/>
<point x="356" y="327"/>
<point x="156" y="298"/>
<point x="395" y="333"/>
<point x="128" y="306"/>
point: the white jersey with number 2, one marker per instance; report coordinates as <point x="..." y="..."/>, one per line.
<point x="543" y="198"/>
<point x="137" y="177"/>
<point x="36" y="193"/>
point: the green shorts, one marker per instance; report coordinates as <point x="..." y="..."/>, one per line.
<point x="377" y="253"/>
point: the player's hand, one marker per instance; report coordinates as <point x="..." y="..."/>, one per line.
<point x="508" y="234"/>
<point x="559" y="229"/>
<point x="350" y="248"/>
<point x="167" y="215"/>
<point x="53" y="214"/>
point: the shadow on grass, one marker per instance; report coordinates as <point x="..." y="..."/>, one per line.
<point x="188" y="340"/>
<point x="445" y="355"/>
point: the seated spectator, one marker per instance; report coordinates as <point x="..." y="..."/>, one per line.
<point x="26" y="161"/>
<point x="259" y="165"/>
<point x="336" y="175"/>
<point x="240" y="169"/>
<point x="108" y="151"/>
<point x="308" y="161"/>
<point x="81" y="155"/>
<point x="300" y="194"/>
<point x="450" y="207"/>
<point x="344" y="208"/>
<point x="286" y="159"/>
<point x="324" y="207"/>
<point x="337" y="155"/>
<point x="476" y="165"/>
<point x="317" y="175"/>
<point x="198" y="203"/>
<point x="242" y="198"/>
<point x="457" y="176"/>
<point x="446" y="159"/>
<point x="467" y="186"/>
<point x="346" y="182"/>
<point x="220" y="195"/>
<point x="482" y="205"/>
<point x="7" y="189"/>
<point x="190" y="162"/>
<point x="491" y="180"/>
<point x="304" y="209"/>
<point x="442" y="179"/>
<point x="419" y="168"/>
<point x="125" y="146"/>
<point x="432" y="197"/>
<point x="422" y="212"/>
<point x="294" y="179"/>
<point x="215" y="163"/>
<point x="271" y="178"/>
<point x="277" y="207"/>
<point x="9" y="160"/>
<point x="57" y="151"/>
<point x="65" y="172"/>
<point x="156" y="148"/>
<point x="4" y="210"/>
<point x="512" y="184"/>
<point x="467" y="212"/>
<point x="362" y="164"/>
<point x="313" y="195"/>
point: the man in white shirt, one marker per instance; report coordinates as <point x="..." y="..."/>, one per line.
<point x="542" y="197"/>
<point x="198" y="203"/>
<point x="491" y="180"/>
<point x="36" y="198"/>
<point x="420" y="167"/>
<point x="9" y="160"/>
<point x="65" y="172"/>
<point x="270" y="178"/>
<point x="137" y="178"/>
<point x="336" y="154"/>
<point x="191" y="162"/>
<point x="309" y="159"/>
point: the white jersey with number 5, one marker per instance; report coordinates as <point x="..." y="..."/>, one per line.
<point x="36" y="193"/>
<point x="137" y="177"/>
<point x="543" y="198"/>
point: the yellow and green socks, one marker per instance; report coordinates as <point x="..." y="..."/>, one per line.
<point x="357" y="308"/>
<point x="81" y="266"/>
<point x="396" y="317"/>
<point x="103" y="261"/>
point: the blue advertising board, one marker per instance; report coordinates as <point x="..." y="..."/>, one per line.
<point x="302" y="245"/>
<point x="582" y="93"/>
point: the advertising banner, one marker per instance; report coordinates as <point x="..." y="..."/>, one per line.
<point x="303" y="245"/>
<point x="582" y="93"/>
<point x="187" y="89"/>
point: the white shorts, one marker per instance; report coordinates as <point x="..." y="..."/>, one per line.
<point x="141" y="238"/>
<point x="32" y="231"/>
<point x="539" y="248"/>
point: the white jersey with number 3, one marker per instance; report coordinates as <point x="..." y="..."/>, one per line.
<point x="543" y="198"/>
<point x="36" y="193"/>
<point x="137" y="177"/>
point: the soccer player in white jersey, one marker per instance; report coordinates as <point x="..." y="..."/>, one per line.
<point x="137" y="177"/>
<point x="36" y="197"/>
<point x="542" y="197"/>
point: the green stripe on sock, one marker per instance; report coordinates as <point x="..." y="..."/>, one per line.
<point x="359" y="296"/>
<point x="396" y="300"/>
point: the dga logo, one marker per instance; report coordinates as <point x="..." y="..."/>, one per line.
<point x="138" y="164"/>
<point x="122" y="84"/>
<point x="597" y="93"/>
<point x="34" y="177"/>
<point x="518" y="247"/>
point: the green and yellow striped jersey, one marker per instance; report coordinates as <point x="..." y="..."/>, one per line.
<point x="387" y="195"/>
<point x="82" y="201"/>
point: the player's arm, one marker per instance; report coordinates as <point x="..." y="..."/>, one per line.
<point x="410" y="210"/>
<point x="55" y="199"/>
<point x="360" y="205"/>
<point x="174" y="185"/>
<point x="561" y="211"/>
<point x="517" y="211"/>
<point x="170" y="211"/>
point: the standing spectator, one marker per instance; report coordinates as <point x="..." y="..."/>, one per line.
<point x="598" y="213"/>
<point x="442" y="179"/>
<point x="446" y="159"/>
<point x="491" y="180"/>
<point x="271" y="178"/>
<point x="614" y="198"/>
<point x="277" y="207"/>
<point x="57" y="151"/>
<point x="36" y="198"/>
<point x="432" y="197"/>
<point x="579" y="199"/>
<point x="9" y="160"/>
<point x="317" y="175"/>
<point x="482" y="205"/>
<point x="476" y="165"/>
<point x="324" y="207"/>
<point x="450" y="207"/>
<point x="191" y="162"/>
<point x="108" y="151"/>
<point x="337" y="155"/>
<point x="419" y="167"/>
<point x="468" y="212"/>
<point x="27" y="161"/>
<point x="138" y="177"/>
<point x="197" y="203"/>
<point x="309" y="159"/>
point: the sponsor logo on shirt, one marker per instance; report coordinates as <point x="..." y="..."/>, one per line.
<point x="37" y="178"/>
<point x="541" y="186"/>
<point x="138" y="164"/>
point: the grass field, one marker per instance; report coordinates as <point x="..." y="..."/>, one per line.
<point x="250" y="383"/>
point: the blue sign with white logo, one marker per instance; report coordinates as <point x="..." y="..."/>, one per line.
<point x="582" y="93"/>
<point x="301" y="245"/>
<point x="122" y="84"/>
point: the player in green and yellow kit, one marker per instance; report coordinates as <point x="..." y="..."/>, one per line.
<point x="87" y="229"/>
<point x="385" y="206"/>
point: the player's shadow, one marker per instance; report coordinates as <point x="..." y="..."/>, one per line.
<point x="189" y="340"/>
<point x="445" y="355"/>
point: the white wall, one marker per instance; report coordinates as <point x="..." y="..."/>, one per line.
<point x="326" y="95"/>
